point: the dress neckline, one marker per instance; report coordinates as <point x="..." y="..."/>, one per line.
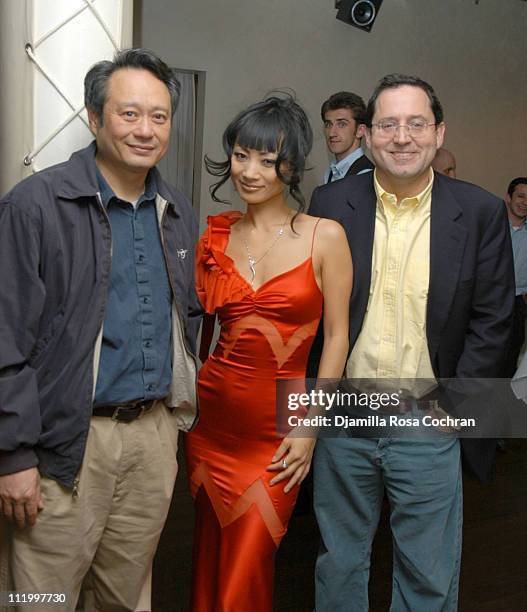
<point x="235" y="269"/>
<point x="273" y="278"/>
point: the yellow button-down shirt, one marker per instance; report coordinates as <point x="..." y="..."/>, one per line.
<point x="392" y="343"/>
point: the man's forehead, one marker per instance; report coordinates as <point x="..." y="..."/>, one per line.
<point x="137" y="89"/>
<point x="339" y="114"/>
<point x="135" y="80"/>
<point x="520" y="188"/>
<point x="405" y="99"/>
<point x="128" y="74"/>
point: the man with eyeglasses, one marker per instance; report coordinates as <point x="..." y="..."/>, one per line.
<point x="432" y="299"/>
<point x="343" y="117"/>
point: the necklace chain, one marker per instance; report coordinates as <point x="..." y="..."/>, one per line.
<point x="254" y="262"/>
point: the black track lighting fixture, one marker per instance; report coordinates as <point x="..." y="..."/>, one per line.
<point x="358" y="13"/>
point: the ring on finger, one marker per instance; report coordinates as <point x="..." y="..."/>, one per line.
<point x="284" y="464"/>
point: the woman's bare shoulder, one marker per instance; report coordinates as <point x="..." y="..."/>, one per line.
<point x="328" y="229"/>
<point x="309" y="221"/>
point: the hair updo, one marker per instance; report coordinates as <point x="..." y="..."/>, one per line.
<point x="278" y="125"/>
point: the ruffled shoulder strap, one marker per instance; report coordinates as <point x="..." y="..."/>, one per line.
<point x="217" y="281"/>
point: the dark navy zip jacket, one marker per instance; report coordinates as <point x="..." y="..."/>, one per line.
<point x="55" y="258"/>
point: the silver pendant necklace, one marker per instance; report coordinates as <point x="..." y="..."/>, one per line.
<point x="252" y="261"/>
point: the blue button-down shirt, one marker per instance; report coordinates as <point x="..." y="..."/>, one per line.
<point x="136" y="360"/>
<point x="340" y="168"/>
<point x="519" y="251"/>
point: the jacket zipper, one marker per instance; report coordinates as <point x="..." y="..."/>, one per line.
<point x="76" y="482"/>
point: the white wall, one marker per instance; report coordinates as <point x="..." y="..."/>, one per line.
<point x="473" y="55"/>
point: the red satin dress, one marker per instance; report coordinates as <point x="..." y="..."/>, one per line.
<point x="265" y="334"/>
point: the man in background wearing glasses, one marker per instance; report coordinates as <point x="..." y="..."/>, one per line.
<point x="432" y="298"/>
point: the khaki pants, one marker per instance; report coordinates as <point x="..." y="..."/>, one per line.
<point x="5" y="582"/>
<point x="109" y="532"/>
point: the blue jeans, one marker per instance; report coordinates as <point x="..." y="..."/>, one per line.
<point x="423" y="484"/>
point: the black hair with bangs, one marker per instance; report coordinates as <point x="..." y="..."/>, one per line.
<point x="278" y="125"/>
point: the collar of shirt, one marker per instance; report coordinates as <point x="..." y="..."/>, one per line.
<point x="389" y="200"/>
<point x="515" y="228"/>
<point x="340" y="168"/>
<point x="107" y="193"/>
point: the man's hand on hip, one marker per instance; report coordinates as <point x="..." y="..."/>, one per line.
<point x="20" y="498"/>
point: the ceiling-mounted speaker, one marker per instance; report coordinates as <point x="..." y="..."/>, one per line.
<point x="359" y="13"/>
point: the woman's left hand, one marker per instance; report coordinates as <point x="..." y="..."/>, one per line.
<point x="293" y="459"/>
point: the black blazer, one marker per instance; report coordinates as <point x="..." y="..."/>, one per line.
<point x="363" y="163"/>
<point x="471" y="288"/>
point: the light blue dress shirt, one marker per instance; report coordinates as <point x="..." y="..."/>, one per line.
<point x="519" y="251"/>
<point x="340" y="168"/>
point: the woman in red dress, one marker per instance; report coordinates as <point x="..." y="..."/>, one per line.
<point x="268" y="275"/>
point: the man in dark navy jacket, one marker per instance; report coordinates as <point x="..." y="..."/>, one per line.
<point x="98" y="322"/>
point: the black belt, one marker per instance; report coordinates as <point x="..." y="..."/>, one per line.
<point x="125" y="413"/>
<point x="407" y="404"/>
